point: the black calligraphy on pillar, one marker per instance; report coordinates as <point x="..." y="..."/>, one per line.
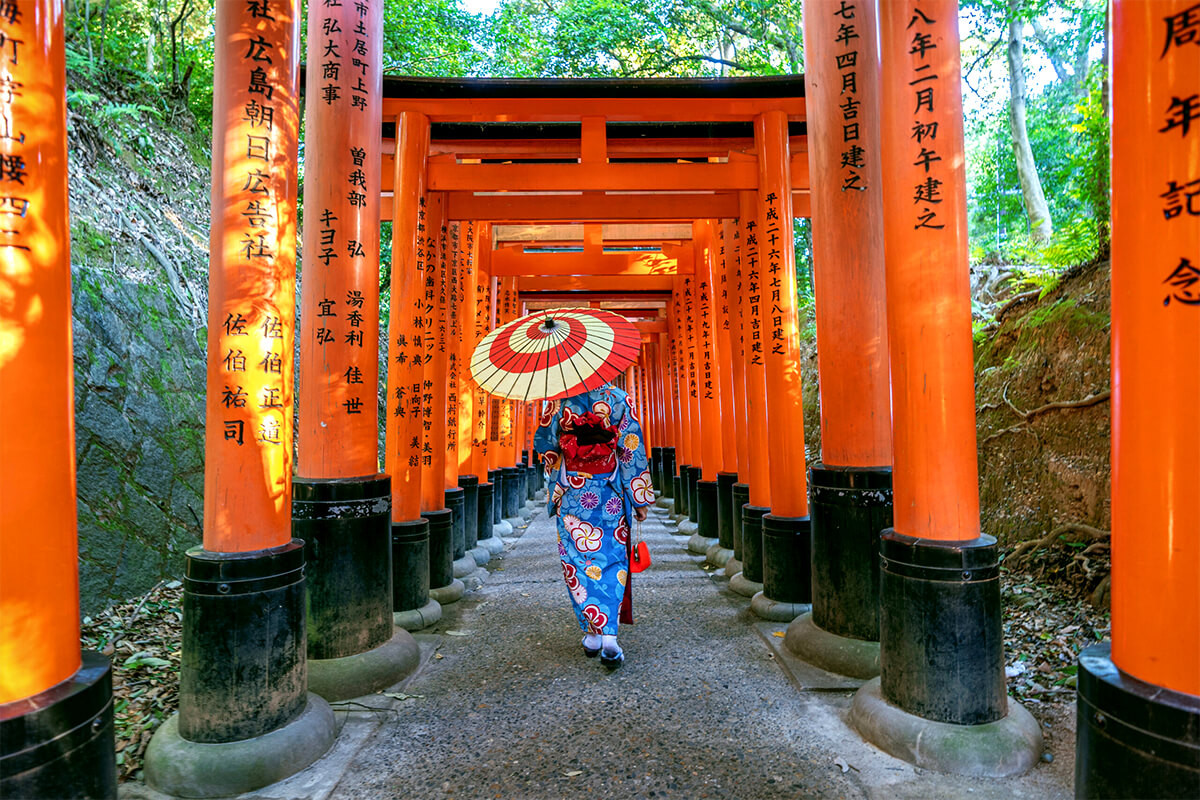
<point x="853" y="158"/>
<point x="1181" y="117"/>
<point x="927" y="194"/>
<point x="253" y="375"/>
<point x="775" y="239"/>
<point x="706" y="340"/>
<point x="753" y="292"/>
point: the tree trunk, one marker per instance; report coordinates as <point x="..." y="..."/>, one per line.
<point x="1036" y="210"/>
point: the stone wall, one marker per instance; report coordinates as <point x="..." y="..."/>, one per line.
<point x="139" y="392"/>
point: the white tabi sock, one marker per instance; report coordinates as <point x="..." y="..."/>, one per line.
<point x="591" y="641"/>
<point x="610" y="644"/>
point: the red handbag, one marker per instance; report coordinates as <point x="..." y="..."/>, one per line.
<point x="639" y="559"/>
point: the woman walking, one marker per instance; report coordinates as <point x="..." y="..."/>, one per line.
<point x="596" y="468"/>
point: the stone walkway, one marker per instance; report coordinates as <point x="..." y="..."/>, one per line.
<point x="506" y="706"/>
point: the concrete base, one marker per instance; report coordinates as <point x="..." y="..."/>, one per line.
<point x="667" y="503"/>
<point x="450" y="593"/>
<point x="183" y="768"/>
<point x="416" y="619"/>
<point x="516" y="524"/>
<point x="481" y="555"/>
<point x="526" y="513"/>
<point x="540" y="495"/>
<point x="732" y="567"/>
<point x="464" y="566"/>
<point x="502" y="528"/>
<point x="494" y="545"/>
<point x="699" y="544"/>
<point x="776" y="610"/>
<point x="743" y="586"/>
<point x="364" y="673"/>
<point x="1002" y="749"/>
<point x="716" y="555"/>
<point x="838" y="654"/>
<point x="687" y="528"/>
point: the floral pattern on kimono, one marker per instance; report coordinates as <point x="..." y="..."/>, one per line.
<point x="595" y="512"/>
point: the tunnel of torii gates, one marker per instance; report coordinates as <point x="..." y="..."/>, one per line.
<point x="671" y="202"/>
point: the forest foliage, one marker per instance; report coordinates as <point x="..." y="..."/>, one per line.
<point x="158" y="56"/>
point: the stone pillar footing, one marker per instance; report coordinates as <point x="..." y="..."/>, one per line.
<point x="744" y="586"/>
<point x="1133" y="739"/>
<point x="450" y="593"/>
<point x="1008" y="747"/>
<point x="494" y="544"/>
<point x="840" y="655"/>
<point x="777" y="610"/>
<point x="717" y="555"/>
<point x="502" y="529"/>
<point x="464" y="566"/>
<point x="415" y="619"/>
<point x="183" y="768"/>
<point x="697" y="544"/>
<point x="481" y="554"/>
<point x="732" y="567"/>
<point x="59" y="742"/>
<point x="366" y="672"/>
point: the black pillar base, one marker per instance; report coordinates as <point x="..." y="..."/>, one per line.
<point x="346" y="527"/>
<point x="1133" y="739"/>
<point x="656" y="471"/>
<point x="410" y="565"/>
<point x="59" y="743"/>
<point x="470" y="487"/>
<point x="243" y="669"/>
<point x="456" y="502"/>
<point x="752" y="542"/>
<point x="705" y="510"/>
<point x="741" y="496"/>
<point x="680" y="488"/>
<point x="496" y="479"/>
<point x="786" y="568"/>
<point x="522" y="486"/>
<point x="487" y="535"/>
<point x="512" y="492"/>
<point x="941" y="646"/>
<point x="725" y="482"/>
<point x="441" y="547"/>
<point x="668" y="472"/>
<point x="694" y="474"/>
<point x="531" y="482"/>
<point x="850" y="508"/>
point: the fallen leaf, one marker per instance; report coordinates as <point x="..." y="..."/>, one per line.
<point x="844" y="765"/>
<point x="524" y="594"/>
<point x="573" y="773"/>
<point x="458" y="633"/>
<point x="779" y="634"/>
<point x="438" y="656"/>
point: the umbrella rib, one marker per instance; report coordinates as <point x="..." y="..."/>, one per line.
<point x="514" y="354"/>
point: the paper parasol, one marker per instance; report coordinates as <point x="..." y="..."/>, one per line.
<point x="555" y="353"/>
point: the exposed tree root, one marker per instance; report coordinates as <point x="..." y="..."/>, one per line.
<point x="1025" y="416"/>
<point x="1088" y="533"/>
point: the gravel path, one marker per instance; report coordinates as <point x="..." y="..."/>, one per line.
<point x="506" y="705"/>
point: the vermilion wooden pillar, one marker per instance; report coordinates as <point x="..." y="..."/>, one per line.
<point x="739" y="494"/>
<point x="506" y="311"/>
<point x="709" y="388"/>
<point x="406" y="353"/>
<point x="941" y="647"/>
<point x="679" y="379"/>
<point x="723" y="373"/>
<point x="404" y="429"/>
<point x="851" y="486"/>
<point x="749" y="581"/>
<point x="1147" y="689"/>
<point x="787" y="557"/>
<point x="468" y="399"/>
<point x="340" y="502"/>
<point x="669" y="398"/>
<point x="244" y="671"/>
<point x="448" y="346"/>
<point x="47" y="687"/>
<point x="444" y="587"/>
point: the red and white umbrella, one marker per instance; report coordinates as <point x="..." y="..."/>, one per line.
<point x="555" y="353"/>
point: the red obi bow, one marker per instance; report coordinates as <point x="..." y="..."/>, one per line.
<point x="589" y="444"/>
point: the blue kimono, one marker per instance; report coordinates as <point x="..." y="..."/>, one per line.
<point x="595" y="509"/>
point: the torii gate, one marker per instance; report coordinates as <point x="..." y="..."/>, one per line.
<point x="874" y="155"/>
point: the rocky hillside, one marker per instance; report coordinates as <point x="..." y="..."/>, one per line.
<point x="139" y="247"/>
<point x="1041" y="387"/>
